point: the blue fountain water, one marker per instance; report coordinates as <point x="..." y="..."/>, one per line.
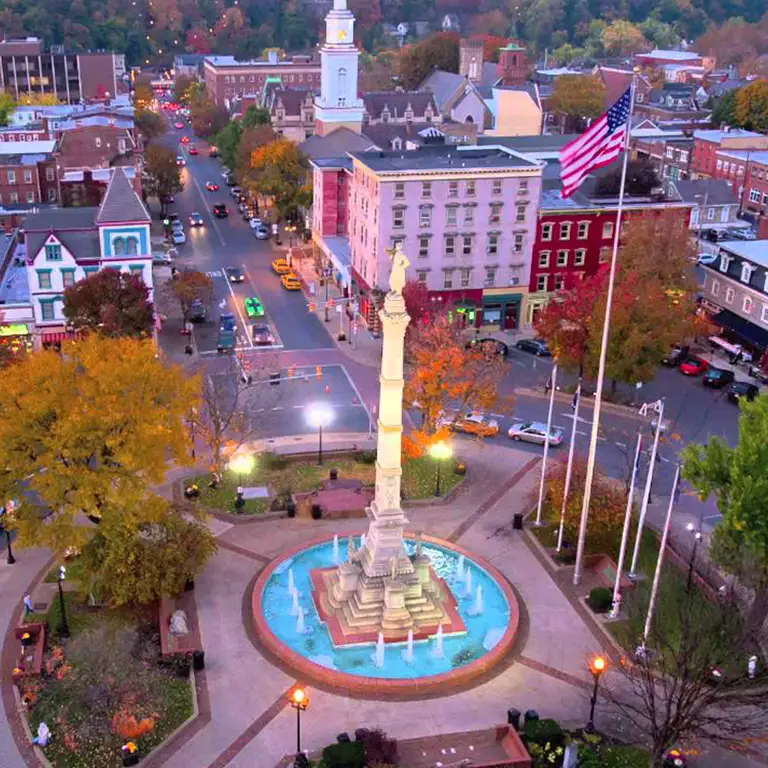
<point x="483" y="631"/>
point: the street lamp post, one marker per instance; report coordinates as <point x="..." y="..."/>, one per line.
<point x="439" y="452"/>
<point x="5" y="516"/>
<point x="299" y="701"/>
<point x="64" y="624"/>
<point x="691" y="528"/>
<point x="242" y="464"/>
<point x="596" y="667"/>
<point x="319" y="415"/>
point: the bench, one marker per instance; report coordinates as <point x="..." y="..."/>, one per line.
<point x="173" y="644"/>
<point x="31" y="656"/>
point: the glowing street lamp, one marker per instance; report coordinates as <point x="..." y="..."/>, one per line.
<point x="64" y="624"/>
<point x="299" y="701"/>
<point x="319" y="415"/>
<point x="440" y="452"/>
<point x="597" y="666"/>
<point x="242" y="464"/>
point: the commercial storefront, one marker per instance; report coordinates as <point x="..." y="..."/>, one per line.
<point x="502" y="310"/>
<point x="16" y="337"/>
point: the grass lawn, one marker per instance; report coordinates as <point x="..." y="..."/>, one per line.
<point x="74" y="566"/>
<point x="105" y="685"/>
<point x="301" y="475"/>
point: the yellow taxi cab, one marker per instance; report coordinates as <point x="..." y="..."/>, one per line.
<point x="291" y="282"/>
<point x="281" y="266"/>
<point x="472" y="423"/>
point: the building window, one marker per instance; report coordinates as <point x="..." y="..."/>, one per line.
<point x="565" y="230"/>
<point x="399" y="190"/>
<point x="493" y="244"/>
<point x="68" y="277"/>
<point x="453" y="189"/>
<point x="607" y="229"/>
<point x="754" y="194"/>
<point x="398" y="218"/>
<point x="448" y="279"/>
<point x="746" y="305"/>
<point x="98" y="141"/>
<point x="764" y="314"/>
<point x="132" y="246"/>
<point x="605" y="254"/>
<point x="559" y="282"/>
<point x="543" y="259"/>
<point x="520" y="217"/>
<point x="471" y="188"/>
<point x="450" y="245"/>
<point x="423" y="247"/>
<point x="725" y="262"/>
<point x="27" y="177"/>
<point x="451" y="216"/>
<point x="523" y="187"/>
<point x="12" y="179"/>
<point x="426" y="189"/>
<point x="715" y="288"/>
<point x="495" y="217"/>
<point x="136" y="269"/>
<point x="469" y="215"/>
<point x="44" y="279"/>
<point x="562" y="258"/>
<point x="51" y="195"/>
<point x="30" y="197"/>
<point x="583" y="230"/>
<point x="517" y="247"/>
<point x="579" y="258"/>
<point x="729" y="294"/>
<point x="465" y="274"/>
<point x="425" y="217"/>
<point x="541" y="282"/>
<point x="421" y="276"/>
<point x="497" y="187"/>
<point x="710" y="213"/>
<point x="467" y="245"/>
<point x="53" y="252"/>
<point x="746" y="272"/>
<point x="14" y="197"/>
<point x="46" y="308"/>
<point x="490" y="277"/>
<point x="49" y="174"/>
<point x="546" y="231"/>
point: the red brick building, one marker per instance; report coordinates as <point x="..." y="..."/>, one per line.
<point x="27" y="174"/>
<point x="706" y="145"/>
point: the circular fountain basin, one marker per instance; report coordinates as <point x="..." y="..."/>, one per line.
<point x="304" y="643"/>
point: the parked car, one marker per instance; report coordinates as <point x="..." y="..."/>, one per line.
<point x="261" y="335"/>
<point x="220" y="211"/>
<point x="489" y="347"/>
<point x="211" y="187"/>
<point x="262" y="233"/>
<point x="254" y="307"/>
<point x="676" y="355"/>
<point x="225" y="172"/>
<point x="213" y="152"/>
<point x="743" y="389"/>
<point x="291" y="282"/>
<point x="195" y="219"/>
<point x="176" y="225"/>
<point x="693" y="366"/>
<point x="197" y="311"/>
<point x="180" y="161"/>
<point x="535" y="432"/>
<point x="178" y="237"/>
<point x="227" y="321"/>
<point x="472" y="423"/>
<point x="534" y="346"/>
<point x="235" y="192"/>
<point x="235" y="274"/>
<point x="255" y="222"/>
<point x="231" y="181"/>
<point x="717" y="378"/>
<point x="281" y="266"/>
<point x="247" y="213"/>
<point x="193" y="151"/>
<point x="161" y="259"/>
<point x="707" y="259"/>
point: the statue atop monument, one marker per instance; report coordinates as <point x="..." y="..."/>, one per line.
<point x="400" y="264"/>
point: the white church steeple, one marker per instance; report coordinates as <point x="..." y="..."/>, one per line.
<point x="338" y="103"/>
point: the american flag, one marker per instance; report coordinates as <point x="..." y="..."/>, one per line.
<point x="600" y="145"/>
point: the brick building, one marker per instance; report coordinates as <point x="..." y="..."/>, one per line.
<point x="27" y="174"/>
<point x="669" y="152"/>
<point x="706" y="145"/>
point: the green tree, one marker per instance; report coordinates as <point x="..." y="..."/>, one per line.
<point x="724" y="110"/>
<point x="111" y="302"/>
<point x="190" y="286"/>
<point x="566" y="53"/>
<point x="622" y="38"/>
<point x="7" y="105"/>
<point x="151" y="125"/>
<point x="207" y="117"/>
<point x="227" y="142"/>
<point x="660" y="34"/>
<point x="641" y="179"/>
<point x="256" y="116"/>
<point x="440" y="51"/>
<point x="185" y="88"/>
<point x="163" y="176"/>
<point x="579" y="98"/>
<point x="751" y="106"/>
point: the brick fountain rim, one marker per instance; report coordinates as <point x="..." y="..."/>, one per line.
<point x="410" y="688"/>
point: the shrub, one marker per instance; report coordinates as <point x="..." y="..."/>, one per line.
<point x="270" y="460"/>
<point x="282" y="500"/>
<point x="366" y="457"/>
<point x="379" y="750"/>
<point x="600" y="599"/>
<point x="349" y="754"/>
<point x="566" y="556"/>
<point x="544" y="731"/>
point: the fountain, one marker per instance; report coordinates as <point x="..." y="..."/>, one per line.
<point x="378" y="656"/>
<point x="393" y="587"/>
<point x="408" y="652"/>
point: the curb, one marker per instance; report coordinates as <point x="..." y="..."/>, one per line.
<point x="624" y="410"/>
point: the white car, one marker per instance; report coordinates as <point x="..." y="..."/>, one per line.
<point x="177" y="226"/>
<point x="708" y="259"/>
<point x="535" y="432"/>
<point x="255" y="223"/>
<point x="178" y="237"/>
<point x="225" y="172"/>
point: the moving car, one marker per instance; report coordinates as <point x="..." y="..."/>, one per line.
<point x="178" y="237"/>
<point x="178" y="125"/>
<point x="197" y="311"/>
<point x="717" y="378"/>
<point x="743" y="389"/>
<point x="235" y="274"/>
<point x="226" y="340"/>
<point x="261" y="232"/>
<point x="537" y="347"/>
<point x="489" y="347"/>
<point x="195" y="219"/>
<point x="261" y="335"/>
<point x="693" y="366"/>
<point x="180" y="161"/>
<point x="193" y="151"/>
<point x="676" y="355"/>
<point x="184" y="139"/>
<point x="211" y="187"/>
<point x="281" y="266"/>
<point x="220" y="211"/>
<point x="254" y="307"/>
<point x="535" y="432"/>
<point x="227" y="321"/>
<point x="291" y="282"/>
<point x="472" y="423"/>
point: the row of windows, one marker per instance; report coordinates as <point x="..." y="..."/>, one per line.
<point x="542" y="283"/>
<point x="582" y="231"/>
<point x="579" y="258"/>
<point x="299" y="78"/>
<point x="29" y="197"/>
<point x="755" y="195"/>
<point x="465" y="277"/>
<point x="464" y="244"/>
<point x="746" y="268"/>
<point x="68" y="276"/>
<point x="470" y="188"/>
<point x="746" y="303"/>
<point x="452" y="215"/>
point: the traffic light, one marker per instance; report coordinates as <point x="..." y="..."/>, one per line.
<point x="319" y="371"/>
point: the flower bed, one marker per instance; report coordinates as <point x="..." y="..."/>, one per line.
<point x="103" y="686"/>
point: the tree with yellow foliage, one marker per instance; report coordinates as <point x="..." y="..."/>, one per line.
<point x="32" y="98"/>
<point x="279" y="171"/>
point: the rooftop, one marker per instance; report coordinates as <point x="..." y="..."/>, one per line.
<point x="30" y="147"/>
<point x="745" y="154"/>
<point x="755" y="251"/>
<point x="121" y="203"/>
<point x="14" y="287"/>
<point x="676" y="55"/>
<point x="335" y="145"/>
<point x="713" y="191"/>
<point x="718" y="136"/>
<point x="231" y="61"/>
<point x="437" y="157"/>
<point x="74" y="227"/>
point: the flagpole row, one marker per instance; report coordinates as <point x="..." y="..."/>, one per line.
<point x="569" y="469"/>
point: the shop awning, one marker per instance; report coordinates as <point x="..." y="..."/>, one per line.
<point x="743" y="328"/>
<point x="55" y="337"/>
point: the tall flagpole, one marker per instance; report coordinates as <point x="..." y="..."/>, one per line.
<point x="553" y="381"/>
<point x="603" y="351"/>
<point x="569" y="469"/>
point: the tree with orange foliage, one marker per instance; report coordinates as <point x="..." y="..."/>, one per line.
<point x="443" y="374"/>
<point x="279" y="171"/>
